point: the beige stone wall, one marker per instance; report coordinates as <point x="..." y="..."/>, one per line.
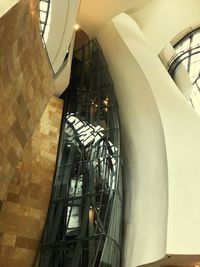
<point x="26" y="84"/>
<point x="24" y="210"/>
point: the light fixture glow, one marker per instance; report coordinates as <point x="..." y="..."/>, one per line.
<point x="76" y="27"/>
<point x="91" y="215"/>
<point x="105" y="102"/>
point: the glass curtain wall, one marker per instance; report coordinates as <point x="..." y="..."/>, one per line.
<point x="188" y="53"/>
<point x="84" y="222"/>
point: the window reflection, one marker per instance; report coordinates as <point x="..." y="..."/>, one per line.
<point x="84" y="221"/>
<point x="188" y="53"/>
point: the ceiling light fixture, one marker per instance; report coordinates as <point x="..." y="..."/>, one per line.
<point x="76" y="27"/>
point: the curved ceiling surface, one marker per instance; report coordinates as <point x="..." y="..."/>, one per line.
<point x="93" y="14"/>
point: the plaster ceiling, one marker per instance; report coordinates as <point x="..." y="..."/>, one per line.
<point x="93" y="14"/>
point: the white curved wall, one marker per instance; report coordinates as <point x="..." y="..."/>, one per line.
<point x="5" y="5"/>
<point x="145" y="162"/>
<point x="95" y="13"/>
<point x="162" y="20"/>
<point x="63" y="19"/>
<point x="150" y="104"/>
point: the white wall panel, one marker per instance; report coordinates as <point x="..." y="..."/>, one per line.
<point x="63" y="19"/>
<point x="162" y="20"/>
<point x="160" y="133"/>
<point x="5" y="5"/>
<point x="145" y="163"/>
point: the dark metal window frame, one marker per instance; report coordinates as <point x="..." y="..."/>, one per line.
<point x="48" y="2"/>
<point x="97" y="240"/>
<point x="186" y="54"/>
<point x="181" y="56"/>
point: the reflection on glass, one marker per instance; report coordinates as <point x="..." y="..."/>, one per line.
<point x="84" y="222"/>
<point x="188" y="53"/>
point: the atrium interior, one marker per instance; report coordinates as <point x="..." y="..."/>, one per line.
<point x="99" y="112"/>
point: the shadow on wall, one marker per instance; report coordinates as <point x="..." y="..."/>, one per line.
<point x="63" y="76"/>
<point x="80" y="39"/>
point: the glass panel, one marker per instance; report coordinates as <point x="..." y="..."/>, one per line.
<point x="85" y="213"/>
<point x="43" y="5"/>
<point x="188" y="53"/>
<point x="42" y="16"/>
<point x="45" y="17"/>
<point x="196" y="39"/>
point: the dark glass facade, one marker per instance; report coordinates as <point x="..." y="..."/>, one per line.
<point x="84" y="222"/>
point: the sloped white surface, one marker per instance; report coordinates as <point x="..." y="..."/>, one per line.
<point x="5" y="5"/>
<point x="160" y="133"/>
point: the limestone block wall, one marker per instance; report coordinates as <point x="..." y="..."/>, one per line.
<point x="24" y="210"/>
<point x="26" y="84"/>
